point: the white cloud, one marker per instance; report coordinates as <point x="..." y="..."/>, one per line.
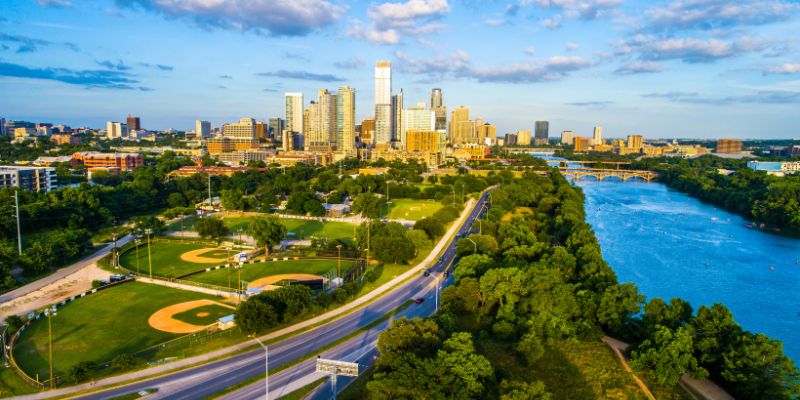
<point x="690" y="50"/>
<point x="530" y="51"/>
<point x="389" y="22"/>
<point x="571" y="46"/>
<point x="639" y="67"/>
<point x="716" y="14"/>
<point x="783" y="69"/>
<point x="276" y="17"/>
<point x="552" y="23"/>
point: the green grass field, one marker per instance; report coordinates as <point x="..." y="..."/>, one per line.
<point x="251" y="272"/>
<point x="99" y="327"/>
<point x="214" y="312"/>
<point x="412" y="209"/>
<point x="297" y="228"/>
<point x="166" y="258"/>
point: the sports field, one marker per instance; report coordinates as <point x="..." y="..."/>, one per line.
<point x="253" y="272"/>
<point x="172" y="258"/>
<point x="297" y="228"/>
<point x="101" y="326"/>
<point x="413" y="210"/>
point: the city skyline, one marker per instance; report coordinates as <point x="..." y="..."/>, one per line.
<point x="649" y="69"/>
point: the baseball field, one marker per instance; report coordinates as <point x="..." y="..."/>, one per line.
<point x="413" y="210"/>
<point x="120" y="320"/>
<point x="296" y="228"/>
<point x="171" y="258"/>
<point x="278" y="270"/>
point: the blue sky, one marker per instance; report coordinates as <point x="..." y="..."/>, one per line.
<point x="685" y="68"/>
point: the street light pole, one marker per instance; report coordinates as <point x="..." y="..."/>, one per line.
<point x="339" y="262"/>
<point x="475" y="250"/>
<point x="266" y="364"/>
<point x="137" y="242"/>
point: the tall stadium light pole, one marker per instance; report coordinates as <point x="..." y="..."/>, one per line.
<point x="474" y="244"/>
<point x="266" y="364"/>
<point x="339" y="262"/>
<point x="210" y="205"/>
<point x="149" y="258"/>
<point x="368" y="224"/>
<point x="19" y="234"/>
<point x="240" y="282"/>
<point x="137" y="242"/>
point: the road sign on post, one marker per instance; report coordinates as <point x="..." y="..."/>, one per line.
<point x="335" y="368"/>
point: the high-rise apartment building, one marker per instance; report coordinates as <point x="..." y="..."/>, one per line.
<point x="35" y="179"/>
<point x="542" y="133"/>
<point x="567" y="137"/>
<point x="635" y="142"/>
<point x="346" y="121"/>
<point x="397" y="116"/>
<point x="417" y="118"/>
<point x="487" y="134"/>
<point x="510" y="139"/>
<point x="424" y="141"/>
<point x="244" y="129"/>
<point x="439" y="109"/>
<point x="326" y="118"/>
<point x="202" y="129"/>
<point x="315" y="139"/>
<point x="294" y="112"/>
<point x="597" y="137"/>
<point x="115" y="130"/>
<point x="134" y="123"/>
<point x="462" y="129"/>
<point x="2" y="126"/>
<point x="276" y="126"/>
<point x="262" y="130"/>
<point x="524" y="138"/>
<point x="383" y="103"/>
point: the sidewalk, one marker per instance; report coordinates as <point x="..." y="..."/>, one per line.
<point x="330" y="315"/>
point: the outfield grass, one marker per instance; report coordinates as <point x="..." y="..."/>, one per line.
<point x="251" y="272"/>
<point x="166" y="258"/>
<point x="412" y="209"/>
<point x="297" y="228"/>
<point x="99" y="327"/>
<point x="214" y="312"/>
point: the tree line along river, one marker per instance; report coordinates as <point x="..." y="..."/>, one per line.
<point x="672" y="245"/>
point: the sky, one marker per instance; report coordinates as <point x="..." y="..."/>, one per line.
<point x="675" y="68"/>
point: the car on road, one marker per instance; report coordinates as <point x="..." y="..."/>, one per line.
<point x="446" y="274"/>
<point x="427" y="272"/>
<point x="419" y="300"/>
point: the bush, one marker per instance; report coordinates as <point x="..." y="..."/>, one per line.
<point x="123" y="362"/>
<point x="96" y="284"/>
<point x="81" y="371"/>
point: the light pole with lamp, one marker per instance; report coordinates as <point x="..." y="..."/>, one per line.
<point x="50" y="313"/>
<point x="475" y="250"/>
<point x="266" y="364"/>
<point x="137" y="242"/>
<point x="241" y="263"/>
<point x="228" y="267"/>
<point x="149" y="258"/>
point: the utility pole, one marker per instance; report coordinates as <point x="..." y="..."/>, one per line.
<point x="19" y="234"/>
<point x="149" y="259"/>
<point x="339" y="262"/>
<point x="210" y="205"/>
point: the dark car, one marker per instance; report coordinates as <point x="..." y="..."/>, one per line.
<point x="427" y="272"/>
<point x="419" y="300"/>
<point x="446" y="274"/>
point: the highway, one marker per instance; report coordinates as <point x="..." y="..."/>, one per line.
<point x="211" y="378"/>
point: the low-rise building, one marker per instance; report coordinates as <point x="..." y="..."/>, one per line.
<point x="64" y="138"/>
<point x="50" y="161"/>
<point x="35" y="179"/>
<point x="243" y="156"/>
<point x="123" y="161"/>
<point x="728" y="146"/>
<point x="581" y="143"/>
<point x="191" y="170"/>
<point x="777" y="168"/>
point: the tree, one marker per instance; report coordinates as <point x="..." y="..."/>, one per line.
<point x="714" y="332"/>
<point x="460" y="359"/>
<point x="667" y="355"/>
<point x="81" y="371"/>
<point x="123" y="362"/>
<point x="389" y="243"/>
<point x="483" y="244"/>
<point x="211" y="228"/>
<point x="531" y="347"/>
<point x="472" y="265"/>
<point x="673" y="316"/>
<point x="617" y="304"/>
<point x="368" y="205"/>
<point x="255" y="315"/>
<point x="757" y="368"/>
<point x="420" y="240"/>
<point x="517" y="390"/>
<point x="267" y="231"/>
<point x="421" y="337"/>
<point x="432" y="227"/>
<point x="142" y="224"/>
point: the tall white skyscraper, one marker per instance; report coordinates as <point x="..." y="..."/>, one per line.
<point x="383" y="102"/>
<point x="294" y="112"/>
<point x="202" y="129"/>
<point x="597" y="138"/>
<point x="346" y="120"/>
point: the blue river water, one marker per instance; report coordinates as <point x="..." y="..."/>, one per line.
<point x="672" y="245"/>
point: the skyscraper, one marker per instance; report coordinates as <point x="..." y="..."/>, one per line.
<point x="276" y="126"/>
<point x="397" y="116"/>
<point x="542" y="133"/>
<point x="635" y="142"/>
<point x="134" y="123"/>
<point x="202" y="129"/>
<point x="367" y="131"/>
<point x="294" y="112"/>
<point x="383" y="102"/>
<point x="416" y="118"/>
<point x="346" y="120"/>
<point x="116" y="130"/>
<point x="326" y="118"/>
<point x="437" y="106"/>
<point x="597" y="137"/>
<point x="244" y="129"/>
<point x="314" y="138"/>
<point x="487" y="134"/>
<point x="524" y="138"/>
<point x="462" y="129"/>
<point x="567" y="137"/>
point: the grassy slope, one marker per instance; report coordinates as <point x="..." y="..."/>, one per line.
<point x="99" y="327"/>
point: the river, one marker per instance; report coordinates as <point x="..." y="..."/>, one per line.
<point x="672" y="245"/>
